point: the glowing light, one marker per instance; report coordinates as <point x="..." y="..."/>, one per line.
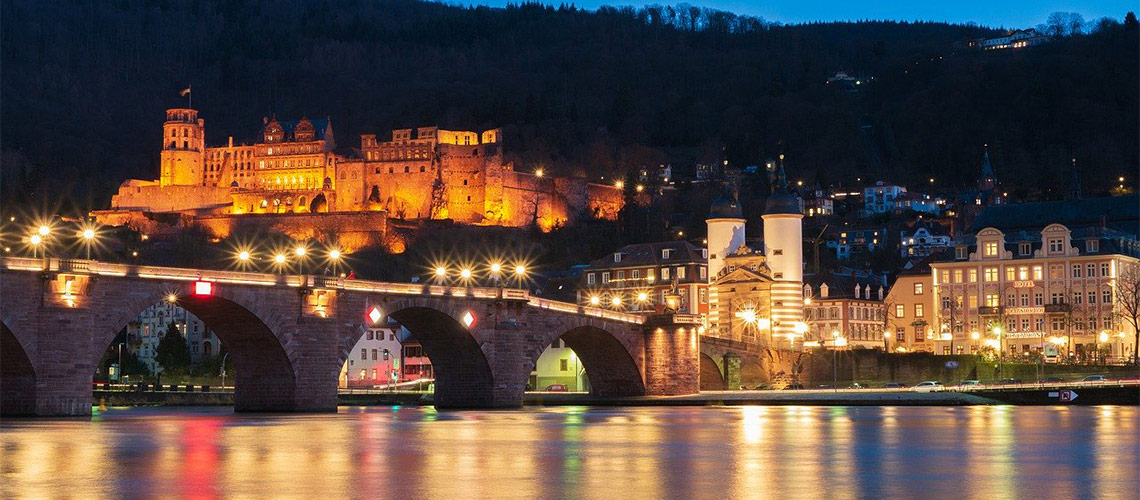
<point x="520" y="270"/>
<point x="468" y="319"/>
<point x="619" y="184"/>
<point x="640" y="188"/>
<point x="975" y="335"/>
<point x="300" y="251"/>
<point x="1103" y="336"/>
<point x="807" y="301"/>
<point x="203" y="288"/>
<point x="88" y="234"/>
<point x="243" y="256"/>
<point x="465" y="274"/>
<point x="334" y="254"/>
<point x="375" y="314"/>
<point x="44" y="230"/>
<point x="594" y="300"/>
<point x="539" y="172"/>
<point x="886" y="334"/>
<point x="642" y="296"/>
<point x="800" y="327"/>
<point x="840" y="342"/>
<point x="35" y="239"/>
<point x="279" y="258"/>
<point x="616" y="301"/>
<point x="747" y="315"/>
<point x="172" y="298"/>
<point x="1058" y="340"/>
<point x="496" y="267"/>
<point x="441" y="271"/>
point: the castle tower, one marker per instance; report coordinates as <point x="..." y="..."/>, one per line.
<point x="783" y="249"/>
<point x="1075" y="192"/>
<point x="183" y="148"/>
<point x="987" y="181"/>
<point x="725" y="231"/>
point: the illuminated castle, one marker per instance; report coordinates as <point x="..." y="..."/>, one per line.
<point x="293" y="167"/>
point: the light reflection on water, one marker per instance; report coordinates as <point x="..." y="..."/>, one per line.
<point x="577" y="452"/>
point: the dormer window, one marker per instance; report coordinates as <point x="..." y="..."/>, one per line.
<point x="960" y="253"/>
<point x="1092" y="246"/>
<point x="704" y="253"/>
<point x="1023" y="248"/>
<point x="665" y="252"/>
<point x="617" y="257"/>
<point x="1056" y="245"/>
<point x="990" y="249"/>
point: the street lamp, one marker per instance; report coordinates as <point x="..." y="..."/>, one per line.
<point x="595" y="300"/>
<point x="886" y="341"/>
<point x="997" y="331"/>
<point x="440" y="274"/>
<point x="35" y="240"/>
<point x="88" y="236"/>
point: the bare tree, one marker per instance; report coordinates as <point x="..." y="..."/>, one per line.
<point x="1128" y="303"/>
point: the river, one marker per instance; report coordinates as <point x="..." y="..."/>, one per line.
<point x="984" y="452"/>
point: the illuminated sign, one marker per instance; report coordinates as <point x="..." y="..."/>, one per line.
<point x="1023" y="284"/>
<point x="1026" y="310"/>
<point x="468" y="319"/>
<point x="203" y="288"/>
<point x="1023" y="335"/>
<point x="375" y="314"/>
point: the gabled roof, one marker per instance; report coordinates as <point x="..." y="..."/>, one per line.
<point x="320" y="127"/>
<point x="1119" y="212"/>
<point x="649" y="254"/>
<point x="742" y="275"/>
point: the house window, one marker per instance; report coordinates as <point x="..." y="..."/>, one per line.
<point x="1090" y="271"/>
<point x="900" y="311"/>
<point x="1038" y="273"/>
<point x="1038" y="299"/>
<point x="605" y="277"/>
<point x="1010" y="273"/>
<point x="990" y="249"/>
<point x="563" y="364"/>
<point x="919" y="334"/>
<point x="1104" y="270"/>
<point x="900" y="334"/>
<point x="664" y="273"/>
<point x="635" y="274"/>
<point x="946" y="302"/>
<point x="973" y="302"/>
<point x="680" y="273"/>
<point x="1106" y="296"/>
<point x="1076" y="270"/>
<point x="363" y="354"/>
<point x="991" y="274"/>
<point x="1077" y="298"/>
<point x="704" y="272"/>
<point x="1055" y="245"/>
<point x="621" y="275"/>
<point x="1092" y="297"/>
<point x="992" y="300"/>
<point x="960" y="253"/>
<point x="590" y="279"/>
<point x="1092" y="246"/>
<point x="665" y="254"/>
<point x="918" y="288"/>
<point x="1023" y="248"/>
<point x="973" y="276"/>
<point x="946" y="275"/>
<point x="918" y="310"/>
<point x="374" y="354"/>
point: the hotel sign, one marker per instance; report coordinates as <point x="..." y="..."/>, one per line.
<point x="1023" y="284"/>
<point x="1024" y="335"/>
<point x="1026" y="310"/>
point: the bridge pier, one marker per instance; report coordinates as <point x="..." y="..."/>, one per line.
<point x="672" y="355"/>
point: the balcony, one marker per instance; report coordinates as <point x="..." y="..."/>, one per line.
<point x="1057" y="308"/>
<point x="989" y="310"/>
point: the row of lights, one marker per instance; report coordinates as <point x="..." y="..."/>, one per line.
<point x="466" y="273"/>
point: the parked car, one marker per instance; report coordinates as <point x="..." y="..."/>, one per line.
<point x="969" y="383"/>
<point x="929" y="386"/>
<point x="556" y="388"/>
<point x="1009" y="381"/>
<point x="857" y="385"/>
<point x="1050" y="380"/>
<point x="1094" y="378"/>
<point x="793" y="386"/>
<point x="893" y="385"/>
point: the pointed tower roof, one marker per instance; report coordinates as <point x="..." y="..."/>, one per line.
<point x="725" y="206"/>
<point x="987" y="180"/>
<point x="1075" y="191"/>
<point x="782" y="201"/>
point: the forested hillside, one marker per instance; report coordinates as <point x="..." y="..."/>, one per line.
<point x="84" y="84"/>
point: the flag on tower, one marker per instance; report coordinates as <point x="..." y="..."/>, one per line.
<point x="185" y="92"/>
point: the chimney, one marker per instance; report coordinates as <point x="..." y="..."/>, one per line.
<point x="880" y="292"/>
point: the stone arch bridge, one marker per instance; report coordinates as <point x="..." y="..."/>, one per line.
<point x="289" y="335"/>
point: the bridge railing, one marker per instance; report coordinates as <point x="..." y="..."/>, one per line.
<point x="293" y="280"/>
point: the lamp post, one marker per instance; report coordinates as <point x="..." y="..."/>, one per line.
<point x="886" y="341"/>
<point x="88" y="236"/>
<point x="997" y="331"/>
<point x="226" y="355"/>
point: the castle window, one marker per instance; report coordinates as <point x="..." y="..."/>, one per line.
<point x="421" y="169"/>
<point x="377" y="171"/>
<point x="407" y="169"/>
<point x="464" y="182"/>
<point x="468" y="198"/>
<point x="391" y="170"/>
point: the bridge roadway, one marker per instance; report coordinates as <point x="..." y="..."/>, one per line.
<point x="289" y="335"/>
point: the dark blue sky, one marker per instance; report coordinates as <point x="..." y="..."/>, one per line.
<point x="994" y="13"/>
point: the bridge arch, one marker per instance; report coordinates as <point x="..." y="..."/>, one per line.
<point x="712" y="374"/>
<point x="249" y="323"/>
<point x="17" y="376"/>
<point x="463" y="375"/>
<point x="611" y="354"/>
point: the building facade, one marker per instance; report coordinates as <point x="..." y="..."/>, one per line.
<point x="638" y="278"/>
<point x="1046" y="291"/>
<point x="847" y="308"/>
<point x="146" y="331"/>
<point x="909" y="312"/>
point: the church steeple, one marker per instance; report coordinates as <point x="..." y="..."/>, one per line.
<point x="781" y="177"/>
<point x="1075" y="191"/>
<point x="987" y="181"/>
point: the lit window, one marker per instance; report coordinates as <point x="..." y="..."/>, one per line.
<point x="990" y="249"/>
<point x="918" y="288"/>
<point x="991" y="274"/>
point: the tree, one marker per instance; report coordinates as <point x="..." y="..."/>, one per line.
<point x="1130" y="21"/>
<point x="1128" y="303"/>
<point x="173" y="353"/>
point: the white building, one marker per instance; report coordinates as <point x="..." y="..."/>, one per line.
<point x="923" y="240"/>
<point x="144" y="334"/>
<point x="376" y="359"/>
<point x="559" y="365"/>
<point x="881" y="198"/>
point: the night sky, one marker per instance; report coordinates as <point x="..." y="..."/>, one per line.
<point x="997" y="13"/>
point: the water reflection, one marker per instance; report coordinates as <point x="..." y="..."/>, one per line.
<point x="578" y="452"/>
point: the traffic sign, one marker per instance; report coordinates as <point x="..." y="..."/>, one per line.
<point x="951" y="365"/>
<point x="1067" y="396"/>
